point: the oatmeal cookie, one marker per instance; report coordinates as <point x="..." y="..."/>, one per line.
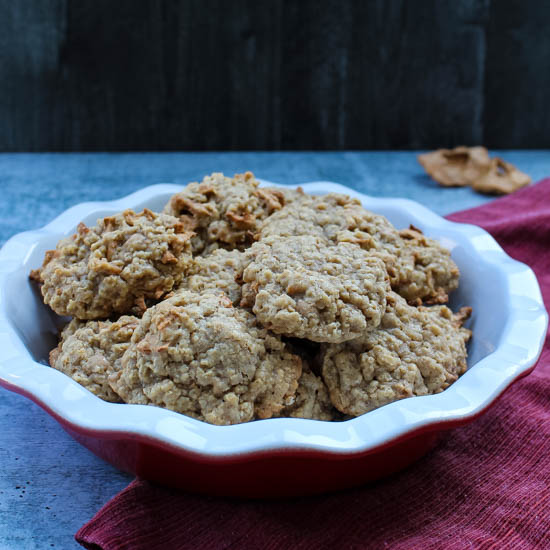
<point x="414" y="351"/>
<point x="222" y="270"/>
<point x="224" y="211"/>
<point x="89" y="352"/>
<point x="198" y="355"/>
<point x="423" y="271"/>
<point x="116" y="265"/>
<point x="319" y="216"/>
<point x="312" y="399"/>
<point x="306" y="288"/>
<point x="420" y="269"/>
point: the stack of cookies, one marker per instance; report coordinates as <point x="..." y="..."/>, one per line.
<point x="239" y="303"/>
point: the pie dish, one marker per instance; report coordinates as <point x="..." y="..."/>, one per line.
<point x="279" y="456"/>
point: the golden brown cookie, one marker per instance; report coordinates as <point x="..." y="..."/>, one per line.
<point x="414" y="351"/>
<point x="224" y="211"/>
<point x="306" y="287"/>
<point x="89" y="352"/>
<point x="198" y="355"/>
<point x="116" y="265"/>
<point x="420" y="269"/>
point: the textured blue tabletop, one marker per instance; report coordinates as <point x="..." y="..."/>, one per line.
<point x="49" y="484"/>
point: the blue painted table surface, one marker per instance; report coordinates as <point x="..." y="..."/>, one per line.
<point x="49" y="484"/>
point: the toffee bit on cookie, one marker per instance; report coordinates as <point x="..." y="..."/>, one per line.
<point x="104" y="267"/>
<point x="242" y="220"/>
<point x="185" y="206"/>
<point x="206" y="188"/>
<point x="461" y="316"/>
<point x="50" y="255"/>
<point x="440" y="297"/>
<point x="168" y="258"/>
<point x="128" y="218"/>
<point x="273" y="198"/>
<point x="144" y="347"/>
<point x="109" y="223"/>
<point x="149" y="214"/>
<point x="82" y="229"/>
<point x="225" y="301"/>
<point x="180" y="227"/>
<point x="159" y="293"/>
<point x="35" y="276"/>
<point x="411" y="233"/>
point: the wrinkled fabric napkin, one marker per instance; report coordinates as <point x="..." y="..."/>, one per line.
<point x="486" y="485"/>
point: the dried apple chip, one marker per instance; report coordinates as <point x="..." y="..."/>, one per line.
<point x="501" y="178"/>
<point x="456" y="167"/>
<point x="472" y="166"/>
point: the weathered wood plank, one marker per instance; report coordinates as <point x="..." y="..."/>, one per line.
<point x="169" y="75"/>
<point x="517" y="92"/>
<point x="31" y="115"/>
<point x="428" y="87"/>
<point x="143" y="75"/>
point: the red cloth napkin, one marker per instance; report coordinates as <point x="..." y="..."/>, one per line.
<point x="486" y="485"/>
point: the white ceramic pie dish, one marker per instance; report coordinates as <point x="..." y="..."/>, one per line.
<point x="509" y="323"/>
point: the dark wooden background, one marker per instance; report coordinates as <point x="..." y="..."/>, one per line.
<point x="111" y="75"/>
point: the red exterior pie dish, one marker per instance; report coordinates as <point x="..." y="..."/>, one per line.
<point x="281" y="456"/>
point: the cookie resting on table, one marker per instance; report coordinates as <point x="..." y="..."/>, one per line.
<point x="115" y="266"/>
<point x="414" y="351"/>
<point x="90" y="351"/>
<point x="198" y="355"/>
<point x="308" y="288"/>
<point x="420" y="269"/>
